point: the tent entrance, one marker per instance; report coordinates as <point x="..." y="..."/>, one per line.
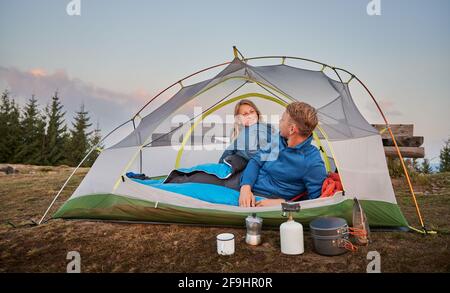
<point x="235" y="99"/>
<point x="183" y="150"/>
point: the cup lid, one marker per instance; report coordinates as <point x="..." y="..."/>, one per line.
<point x="225" y="236"/>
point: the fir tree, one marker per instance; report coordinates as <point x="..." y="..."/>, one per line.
<point x="9" y="128"/>
<point x="79" y="143"/>
<point x="14" y="130"/>
<point x="5" y="110"/>
<point x="32" y="128"/>
<point x="56" y="129"/>
<point x="444" y="157"/>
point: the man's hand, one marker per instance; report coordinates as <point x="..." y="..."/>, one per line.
<point x="269" y="202"/>
<point x="246" y="197"/>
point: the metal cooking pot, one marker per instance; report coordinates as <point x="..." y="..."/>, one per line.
<point x="330" y="235"/>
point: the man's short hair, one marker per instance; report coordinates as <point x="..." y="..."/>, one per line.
<point x="304" y="116"/>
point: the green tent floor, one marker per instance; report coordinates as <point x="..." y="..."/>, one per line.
<point x="117" y="207"/>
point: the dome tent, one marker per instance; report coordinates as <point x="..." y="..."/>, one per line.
<point x="346" y="140"/>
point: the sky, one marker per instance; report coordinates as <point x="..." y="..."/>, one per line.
<point x="116" y="55"/>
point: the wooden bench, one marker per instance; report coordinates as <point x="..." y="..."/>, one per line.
<point x="410" y="146"/>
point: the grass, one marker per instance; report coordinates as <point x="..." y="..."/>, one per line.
<point x="120" y="247"/>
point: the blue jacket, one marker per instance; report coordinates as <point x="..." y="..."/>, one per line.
<point x="293" y="171"/>
<point x="250" y="140"/>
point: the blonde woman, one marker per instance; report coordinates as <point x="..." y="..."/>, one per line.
<point x="249" y="133"/>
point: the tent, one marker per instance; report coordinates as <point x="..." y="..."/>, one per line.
<point x="167" y="138"/>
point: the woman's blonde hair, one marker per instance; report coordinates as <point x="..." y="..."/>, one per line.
<point x="236" y="128"/>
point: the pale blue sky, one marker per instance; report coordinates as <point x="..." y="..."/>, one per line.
<point x="130" y="49"/>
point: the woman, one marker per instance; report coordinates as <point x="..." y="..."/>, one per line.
<point x="249" y="133"/>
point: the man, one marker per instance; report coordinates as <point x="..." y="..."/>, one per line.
<point x="297" y="168"/>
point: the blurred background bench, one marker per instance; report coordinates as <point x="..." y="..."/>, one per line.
<point x="410" y="146"/>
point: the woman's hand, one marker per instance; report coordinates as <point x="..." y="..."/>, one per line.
<point x="246" y="197"/>
<point x="269" y="202"/>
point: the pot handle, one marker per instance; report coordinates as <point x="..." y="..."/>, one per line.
<point x="344" y="243"/>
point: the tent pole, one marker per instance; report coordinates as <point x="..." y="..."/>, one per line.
<point x="405" y="170"/>
<point x="140" y="152"/>
<point x="78" y="166"/>
<point x="236" y="52"/>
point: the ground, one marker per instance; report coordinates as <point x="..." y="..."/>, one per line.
<point x="123" y="247"/>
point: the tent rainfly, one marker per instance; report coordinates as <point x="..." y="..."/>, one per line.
<point x="346" y="140"/>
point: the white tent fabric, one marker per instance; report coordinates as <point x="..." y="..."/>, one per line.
<point x="363" y="168"/>
<point x="106" y="170"/>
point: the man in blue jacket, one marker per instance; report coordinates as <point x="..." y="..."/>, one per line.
<point x="290" y="168"/>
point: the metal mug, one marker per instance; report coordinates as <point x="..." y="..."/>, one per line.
<point x="225" y="244"/>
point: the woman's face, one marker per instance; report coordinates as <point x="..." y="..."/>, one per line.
<point x="247" y="115"/>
